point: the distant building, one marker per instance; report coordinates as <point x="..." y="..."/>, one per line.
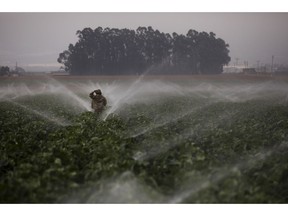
<point x="249" y="71"/>
<point x="281" y="72"/>
<point x="232" y="69"/>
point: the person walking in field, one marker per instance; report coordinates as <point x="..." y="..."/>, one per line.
<point x="98" y="102"/>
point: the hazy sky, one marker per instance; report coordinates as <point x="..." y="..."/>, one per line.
<point x="35" y="40"/>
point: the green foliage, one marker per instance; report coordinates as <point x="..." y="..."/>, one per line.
<point x="225" y="152"/>
<point x="123" y="51"/>
<point x="4" y="70"/>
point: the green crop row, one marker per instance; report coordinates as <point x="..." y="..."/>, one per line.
<point x="188" y="151"/>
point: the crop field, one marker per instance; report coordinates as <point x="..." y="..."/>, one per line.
<point x="217" y="139"/>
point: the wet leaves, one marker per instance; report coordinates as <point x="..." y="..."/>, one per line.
<point x="221" y="153"/>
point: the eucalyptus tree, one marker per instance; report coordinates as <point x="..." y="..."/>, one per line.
<point x="4" y="70"/>
<point x="213" y="53"/>
<point x="121" y="51"/>
<point x="180" y="54"/>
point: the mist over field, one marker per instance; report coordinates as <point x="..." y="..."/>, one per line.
<point x="161" y="139"/>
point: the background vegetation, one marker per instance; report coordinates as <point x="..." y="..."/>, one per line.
<point x="124" y="51"/>
<point x="185" y="149"/>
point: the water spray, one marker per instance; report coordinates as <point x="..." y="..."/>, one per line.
<point x="225" y="172"/>
<point x="166" y="146"/>
<point x="41" y="114"/>
<point x="131" y="89"/>
<point x="85" y="104"/>
<point x="123" y="188"/>
<point x="175" y="119"/>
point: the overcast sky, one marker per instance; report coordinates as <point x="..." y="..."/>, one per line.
<point x="34" y="40"/>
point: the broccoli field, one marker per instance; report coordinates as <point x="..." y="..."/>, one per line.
<point x="218" y="139"/>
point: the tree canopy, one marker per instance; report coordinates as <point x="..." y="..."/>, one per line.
<point x="112" y="51"/>
<point x="4" y="70"/>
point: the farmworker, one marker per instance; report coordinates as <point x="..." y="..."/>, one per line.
<point x="98" y="102"/>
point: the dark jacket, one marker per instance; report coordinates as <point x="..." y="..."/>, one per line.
<point x="98" y="102"/>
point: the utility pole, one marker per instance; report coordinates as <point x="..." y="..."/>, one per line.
<point x="272" y="63"/>
<point x="237" y="61"/>
<point x="258" y="67"/>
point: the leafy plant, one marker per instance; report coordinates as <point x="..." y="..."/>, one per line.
<point x="189" y="151"/>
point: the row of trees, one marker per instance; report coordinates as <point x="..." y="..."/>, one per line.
<point x="4" y="70"/>
<point x="122" y="51"/>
